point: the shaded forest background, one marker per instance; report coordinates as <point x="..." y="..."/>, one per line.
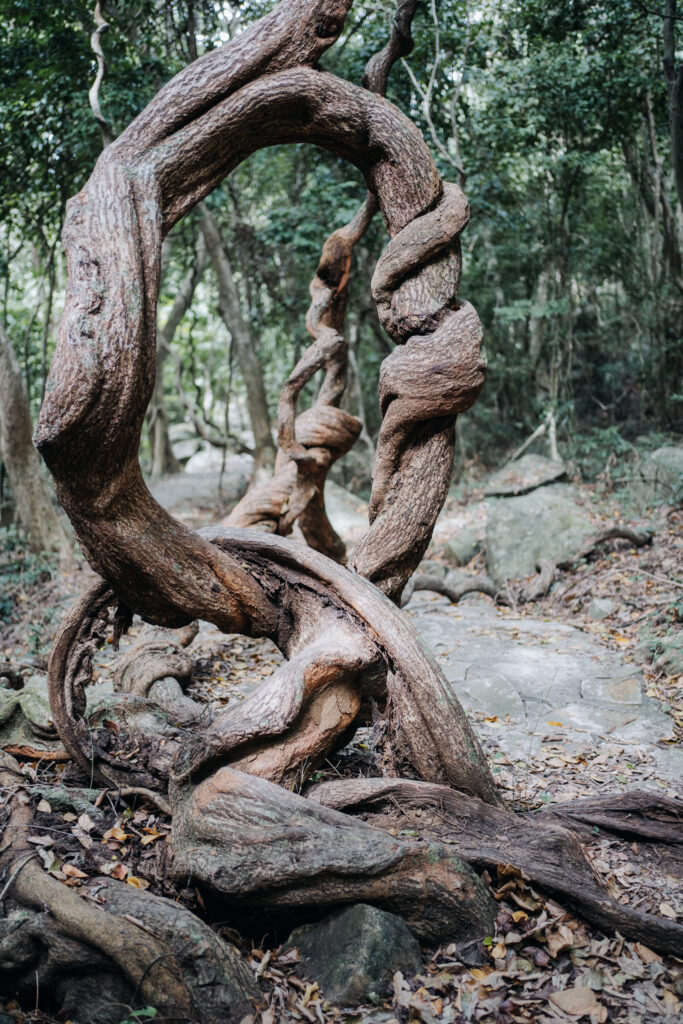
<point x="555" y="115"/>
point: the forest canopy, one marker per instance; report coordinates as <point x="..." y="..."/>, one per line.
<point x="555" y="116"/>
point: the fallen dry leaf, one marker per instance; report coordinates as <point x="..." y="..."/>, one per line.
<point x="116" y="833"/>
<point x="560" y="938"/>
<point x="578" y="1002"/>
<point x="645" y="954"/>
<point x="151" y="836"/>
<point x="137" y="883"/>
<point x="71" y="872"/>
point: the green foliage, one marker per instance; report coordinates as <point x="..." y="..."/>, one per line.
<point x="148" y="1013"/>
<point x="556" y="112"/>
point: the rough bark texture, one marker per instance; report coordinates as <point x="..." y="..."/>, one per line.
<point x="487" y="836"/>
<point x="311" y="856"/>
<point x="199" y="127"/>
<point x="236" y="827"/>
<point x="334" y="628"/>
<point x="35" y="510"/>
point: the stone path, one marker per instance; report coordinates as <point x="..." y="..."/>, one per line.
<point x="542" y="681"/>
<point x="184" y="492"/>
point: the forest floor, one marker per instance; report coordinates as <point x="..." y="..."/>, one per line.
<point x="522" y="673"/>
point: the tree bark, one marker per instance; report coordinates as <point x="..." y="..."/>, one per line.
<point x="164" y="461"/>
<point x="230" y="310"/>
<point x="310" y="443"/>
<point x="487" y="836"/>
<point x="35" y="510"/>
<point x="674" y="81"/>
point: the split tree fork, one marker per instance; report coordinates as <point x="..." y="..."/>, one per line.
<point x="237" y="825"/>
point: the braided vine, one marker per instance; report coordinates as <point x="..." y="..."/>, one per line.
<point x="310" y="443"/>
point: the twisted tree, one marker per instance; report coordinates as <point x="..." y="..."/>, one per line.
<point x="238" y="826"/>
<point x="310" y="443"/>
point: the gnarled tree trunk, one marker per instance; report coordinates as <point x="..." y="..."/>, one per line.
<point x="236" y="826"/>
<point x="262" y="88"/>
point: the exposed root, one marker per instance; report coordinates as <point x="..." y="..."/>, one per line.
<point x="487" y="836"/>
<point x="638" y="814"/>
<point x="372" y="651"/>
<point x="162" y="954"/>
<point x="536" y="587"/>
<point x="259" y="845"/>
<point x="474" y="585"/>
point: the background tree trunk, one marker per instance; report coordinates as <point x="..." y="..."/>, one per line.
<point x="674" y="81"/>
<point x="36" y="513"/>
<point x="230" y="311"/>
<point x="164" y="461"/>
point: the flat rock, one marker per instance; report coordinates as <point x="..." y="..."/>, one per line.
<point x="545" y="524"/>
<point x="623" y="686"/>
<point x="523" y="475"/>
<point x="354" y="953"/>
<point x="600" y="608"/>
<point x="527" y="677"/>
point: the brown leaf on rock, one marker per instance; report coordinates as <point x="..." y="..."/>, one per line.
<point x="71" y="872"/>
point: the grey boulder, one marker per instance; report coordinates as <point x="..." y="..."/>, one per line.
<point x="353" y="954"/>
<point x="670" y="654"/>
<point x="523" y="475"/>
<point x="660" y="477"/>
<point x="461" y="547"/>
<point x="545" y="524"/>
